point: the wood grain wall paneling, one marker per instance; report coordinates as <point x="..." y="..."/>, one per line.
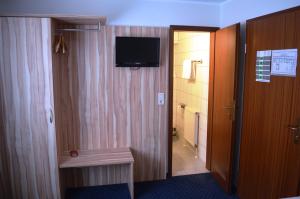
<point x="28" y="141"/>
<point x="101" y="106"/>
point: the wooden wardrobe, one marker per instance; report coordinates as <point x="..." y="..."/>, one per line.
<point x="28" y="151"/>
<point x="52" y="103"/>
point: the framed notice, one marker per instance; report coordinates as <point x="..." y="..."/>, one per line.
<point x="284" y="62"/>
<point x="263" y="66"/>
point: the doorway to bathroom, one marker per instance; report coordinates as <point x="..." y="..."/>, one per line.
<point x="191" y="62"/>
<point x="202" y="101"/>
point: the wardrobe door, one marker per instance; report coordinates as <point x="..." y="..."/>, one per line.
<point x="28" y="157"/>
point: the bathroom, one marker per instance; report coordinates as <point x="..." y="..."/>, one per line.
<point x="191" y="62"/>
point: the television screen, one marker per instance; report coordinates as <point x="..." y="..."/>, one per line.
<point x="137" y="51"/>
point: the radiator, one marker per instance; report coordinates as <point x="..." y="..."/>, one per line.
<point x="191" y="126"/>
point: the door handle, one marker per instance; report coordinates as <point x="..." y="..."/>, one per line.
<point x="231" y="110"/>
<point x="296" y="132"/>
<point x="294" y="128"/>
<point x="232" y="106"/>
<point x="51" y="116"/>
<point x="228" y="107"/>
<point x="296" y="139"/>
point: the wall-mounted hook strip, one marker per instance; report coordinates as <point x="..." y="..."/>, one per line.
<point x="79" y="29"/>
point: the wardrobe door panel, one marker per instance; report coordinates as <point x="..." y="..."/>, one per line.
<point x="28" y="157"/>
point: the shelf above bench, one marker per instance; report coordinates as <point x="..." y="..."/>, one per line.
<point x="90" y="158"/>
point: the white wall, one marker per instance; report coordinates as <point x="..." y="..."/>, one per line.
<point x="123" y="12"/>
<point x="152" y="12"/>
<point x="234" y="11"/>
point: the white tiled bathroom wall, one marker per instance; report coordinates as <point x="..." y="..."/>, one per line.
<point x="193" y="46"/>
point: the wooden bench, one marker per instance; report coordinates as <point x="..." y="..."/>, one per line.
<point x="91" y="158"/>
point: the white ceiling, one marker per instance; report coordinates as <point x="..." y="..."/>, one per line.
<point x="205" y="1"/>
<point x="195" y="1"/>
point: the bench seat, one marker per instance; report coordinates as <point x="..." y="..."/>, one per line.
<point x="103" y="157"/>
<point x="89" y="158"/>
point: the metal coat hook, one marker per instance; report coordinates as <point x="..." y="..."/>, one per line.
<point x="61" y="45"/>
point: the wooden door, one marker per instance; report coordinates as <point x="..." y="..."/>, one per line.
<point x="225" y="79"/>
<point x="269" y="161"/>
<point x="290" y="183"/>
<point x="28" y="159"/>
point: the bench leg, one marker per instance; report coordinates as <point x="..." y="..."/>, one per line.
<point x="131" y="180"/>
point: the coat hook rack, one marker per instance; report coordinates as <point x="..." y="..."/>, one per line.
<point x="80" y="29"/>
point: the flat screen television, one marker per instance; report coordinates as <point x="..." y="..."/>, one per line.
<point x="137" y="51"/>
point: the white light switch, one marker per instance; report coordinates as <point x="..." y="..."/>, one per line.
<point x="160" y="98"/>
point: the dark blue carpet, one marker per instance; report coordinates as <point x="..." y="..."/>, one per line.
<point x="117" y="191"/>
<point x="200" y="186"/>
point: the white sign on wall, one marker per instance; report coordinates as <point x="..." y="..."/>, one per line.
<point x="263" y="65"/>
<point x="284" y="62"/>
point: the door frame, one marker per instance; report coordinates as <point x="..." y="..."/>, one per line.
<point x="212" y="30"/>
